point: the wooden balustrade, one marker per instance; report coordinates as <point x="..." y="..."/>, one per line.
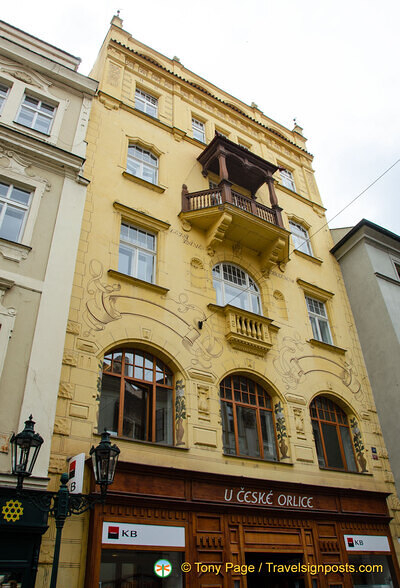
<point x="217" y="196"/>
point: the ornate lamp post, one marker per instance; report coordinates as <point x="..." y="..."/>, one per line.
<point x="61" y="504"/>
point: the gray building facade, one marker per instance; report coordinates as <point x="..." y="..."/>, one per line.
<point x="369" y="257"/>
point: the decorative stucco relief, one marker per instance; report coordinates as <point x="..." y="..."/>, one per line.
<point x="294" y="364"/>
<point x="105" y="305"/>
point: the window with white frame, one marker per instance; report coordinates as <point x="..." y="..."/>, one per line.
<point x="397" y="268"/>
<point x="319" y="320"/>
<point x="4" y="90"/>
<point x="234" y="286"/>
<point x="142" y="164"/>
<point x="14" y="206"/>
<point x="199" y="131"/>
<point x="301" y="240"/>
<point x="137" y="253"/>
<point x="146" y="103"/>
<point x="287" y="179"/>
<point x="36" y="114"/>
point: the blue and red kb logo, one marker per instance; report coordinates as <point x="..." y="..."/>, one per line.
<point x="113" y="532"/>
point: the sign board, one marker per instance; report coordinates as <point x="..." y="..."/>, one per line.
<point x="76" y="469"/>
<point x="366" y="543"/>
<point x="150" y="535"/>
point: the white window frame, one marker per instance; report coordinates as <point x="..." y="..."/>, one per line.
<point x="36" y="110"/>
<point x="287" y="179"/>
<point x="198" y="129"/>
<point x="3" y="94"/>
<point x="146" y="103"/>
<point x="317" y="314"/>
<point x="6" y="203"/>
<point x="143" y="158"/>
<point x="247" y="287"/>
<point x="135" y="248"/>
<point x="301" y="239"/>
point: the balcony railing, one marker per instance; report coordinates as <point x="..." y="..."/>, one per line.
<point x="217" y="196"/>
<point x="245" y="330"/>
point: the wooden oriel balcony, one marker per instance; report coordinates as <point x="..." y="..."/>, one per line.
<point x="224" y="213"/>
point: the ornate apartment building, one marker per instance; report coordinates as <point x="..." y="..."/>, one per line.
<point x="210" y="332"/>
<point x="44" y="111"/>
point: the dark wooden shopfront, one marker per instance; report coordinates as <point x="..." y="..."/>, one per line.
<point x="241" y="521"/>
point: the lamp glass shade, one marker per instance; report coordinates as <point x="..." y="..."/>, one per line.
<point x="25" y="447"/>
<point x="104" y="459"/>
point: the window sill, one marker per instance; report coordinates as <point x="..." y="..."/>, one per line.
<point x="143" y="182"/>
<point x="327" y="346"/>
<point x="316" y="260"/>
<point x="345" y="471"/>
<point x="139" y="442"/>
<point x="14" y="251"/>
<point x="137" y="281"/>
<point x="259" y="460"/>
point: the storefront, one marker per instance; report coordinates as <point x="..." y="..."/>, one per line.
<point x="22" y="525"/>
<point x="236" y="533"/>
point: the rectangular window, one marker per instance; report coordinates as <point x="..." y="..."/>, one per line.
<point x="146" y="103"/>
<point x="137" y="253"/>
<point x="199" y="132"/>
<point x="319" y="320"/>
<point x="287" y="179"/>
<point x="3" y="94"/>
<point x="142" y="164"/>
<point x="397" y="267"/>
<point x="301" y="240"/>
<point x="14" y="206"/>
<point x="136" y="569"/>
<point x="36" y="114"/>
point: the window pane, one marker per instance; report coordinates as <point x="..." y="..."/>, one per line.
<point x="228" y="431"/>
<point x="332" y="446"/>
<point x="348" y="449"/>
<point x="20" y="196"/>
<point x="318" y="444"/>
<point x="247" y="431"/>
<point x="315" y="331"/>
<point x="164" y="416"/>
<point x="324" y="329"/>
<point x="384" y="579"/>
<point x="25" y="117"/>
<point x="3" y="189"/>
<point x="268" y="435"/>
<point x="145" y="266"/>
<point x="135" y="422"/>
<point x="42" y="123"/>
<point x="109" y="404"/>
<point x="12" y="223"/>
<point x="126" y="260"/>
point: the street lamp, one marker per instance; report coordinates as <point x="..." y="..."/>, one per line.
<point x="21" y="445"/>
<point x="61" y="504"/>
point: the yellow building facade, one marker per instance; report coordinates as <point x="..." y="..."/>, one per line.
<point x="209" y="331"/>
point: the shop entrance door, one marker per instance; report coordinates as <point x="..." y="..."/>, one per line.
<point x="269" y="572"/>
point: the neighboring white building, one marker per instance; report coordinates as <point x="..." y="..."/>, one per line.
<point x="44" y="110"/>
<point x="369" y="258"/>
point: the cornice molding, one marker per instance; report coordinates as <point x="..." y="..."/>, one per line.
<point x="143" y="219"/>
<point x="40" y="152"/>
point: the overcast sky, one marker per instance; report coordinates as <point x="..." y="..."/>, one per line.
<point x="334" y="65"/>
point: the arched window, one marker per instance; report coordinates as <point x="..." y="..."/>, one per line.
<point x="234" y="286"/>
<point x="332" y="435"/>
<point x="136" y="396"/>
<point x="248" y="426"/>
